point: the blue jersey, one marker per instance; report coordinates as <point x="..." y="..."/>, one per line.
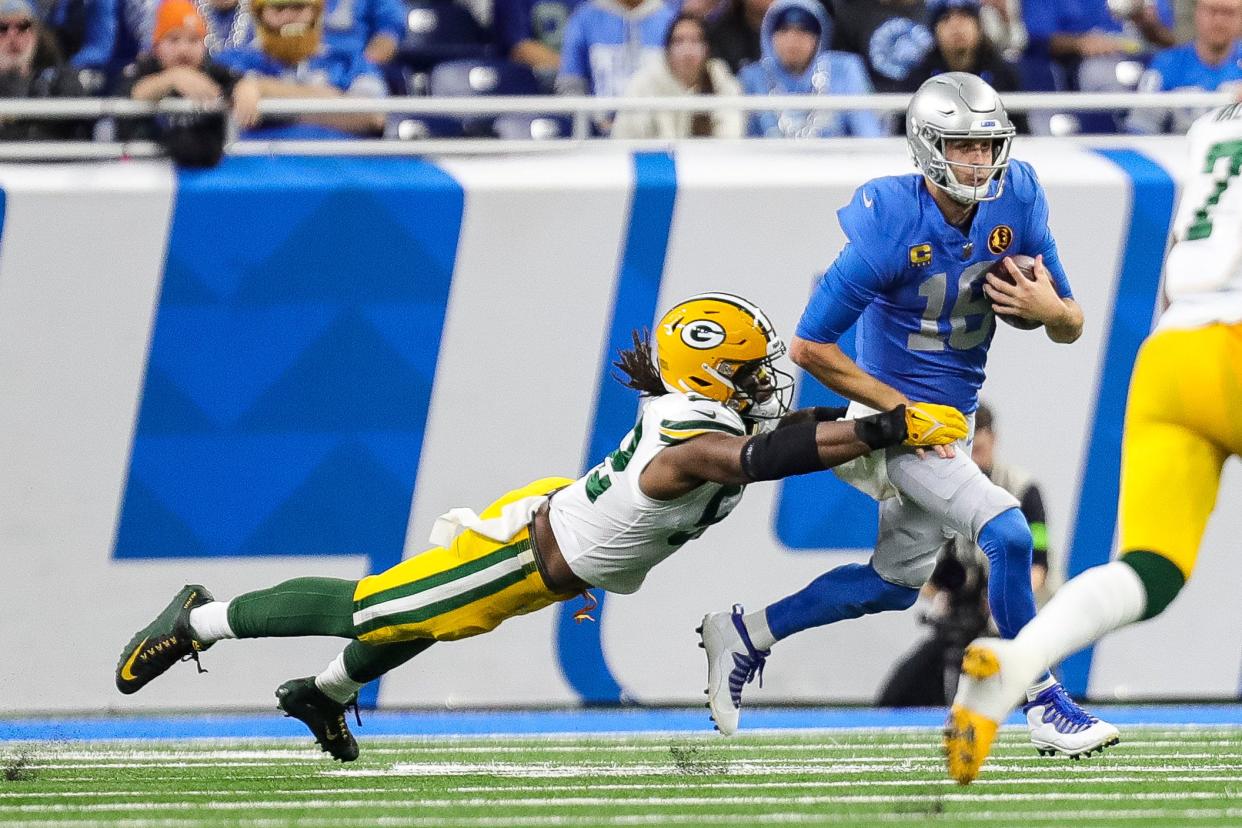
<point x="914" y="283"/>
<point x="1181" y="68"/>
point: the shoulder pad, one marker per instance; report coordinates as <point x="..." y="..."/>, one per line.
<point x="1022" y="181"/>
<point x="680" y="417"/>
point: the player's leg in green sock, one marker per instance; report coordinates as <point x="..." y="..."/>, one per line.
<point x="302" y="606"/>
<point x="360" y="663"/>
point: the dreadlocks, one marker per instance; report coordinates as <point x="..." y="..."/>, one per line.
<point x="638" y="369"/>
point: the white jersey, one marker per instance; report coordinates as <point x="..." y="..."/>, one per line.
<point x="609" y="532"/>
<point x="1203" y="274"/>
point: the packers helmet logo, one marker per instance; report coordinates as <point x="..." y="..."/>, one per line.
<point x="1000" y="238"/>
<point x="920" y="255"/>
<point x="702" y="334"/>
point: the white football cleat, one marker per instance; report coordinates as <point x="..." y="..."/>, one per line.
<point x="732" y="661"/>
<point x="1059" y="725"/>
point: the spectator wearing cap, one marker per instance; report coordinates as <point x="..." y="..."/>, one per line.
<point x="688" y="68"/>
<point x="961" y="46"/>
<point x="31" y="67"/>
<point x="291" y="61"/>
<point x="178" y="67"/>
<point x="796" y="61"/>
<point x="1212" y="61"/>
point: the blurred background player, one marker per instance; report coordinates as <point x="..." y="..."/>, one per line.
<point x="681" y="469"/>
<point x="1183" y="420"/>
<point x="957" y="590"/>
<point x="912" y="275"/>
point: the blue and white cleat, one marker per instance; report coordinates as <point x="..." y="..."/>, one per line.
<point x="732" y="661"/>
<point x="1059" y="725"/>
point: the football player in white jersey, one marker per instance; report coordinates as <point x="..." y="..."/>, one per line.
<point x="715" y="421"/>
<point x="1183" y="420"/>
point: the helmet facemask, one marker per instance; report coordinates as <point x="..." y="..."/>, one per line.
<point x="762" y="393"/>
<point x="939" y="169"/>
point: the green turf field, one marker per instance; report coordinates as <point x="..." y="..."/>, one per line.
<point x="1156" y="777"/>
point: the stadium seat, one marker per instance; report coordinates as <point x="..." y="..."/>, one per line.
<point x="439" y="30"/>
<point x="521" y="127"/>
<point x="470" y="78"/>
<point x="467" y="78"/>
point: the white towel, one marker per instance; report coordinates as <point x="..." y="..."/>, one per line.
<point x="513" y="518"/>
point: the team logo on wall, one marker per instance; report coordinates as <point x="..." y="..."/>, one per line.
<point x="920" y="255"/>
<point x="702" y="334"/>
<point x="1000" y="238"/>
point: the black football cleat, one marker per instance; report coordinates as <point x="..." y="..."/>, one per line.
<point x="162" y="643"/>
<point x="302" y="700"/>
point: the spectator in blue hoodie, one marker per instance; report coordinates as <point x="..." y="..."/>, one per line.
<point x="796" y="60"/>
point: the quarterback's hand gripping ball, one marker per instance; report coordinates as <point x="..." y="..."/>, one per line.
<point x="929" y="424"/>
<point x="1025" y="266"/>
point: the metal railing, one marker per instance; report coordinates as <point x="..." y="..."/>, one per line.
<point x="580" y="109"/>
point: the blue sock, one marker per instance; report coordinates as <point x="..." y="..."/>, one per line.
<point x="1006" y="540"/>
<point x="845" y="592"/>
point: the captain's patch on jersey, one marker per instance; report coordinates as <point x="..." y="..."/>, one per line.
<point x="920" y="255"/>
<point x="1000" y="238"/>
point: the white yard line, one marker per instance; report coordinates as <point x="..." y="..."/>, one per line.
<point x="602" y="802"/>
<point x="774" y="818"/>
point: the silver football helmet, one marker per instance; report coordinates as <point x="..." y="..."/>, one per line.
<point x="955" y="106"/>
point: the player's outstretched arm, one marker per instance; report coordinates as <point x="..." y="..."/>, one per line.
<point x="834" y="368"/>
<point x="800" y="447"/>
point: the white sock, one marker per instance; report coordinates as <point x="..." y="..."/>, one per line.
<point x="756" y="624"/>
<point x="1091" y="605"/>
<point x="210" y="622"/>
<point x="335" y="682"/>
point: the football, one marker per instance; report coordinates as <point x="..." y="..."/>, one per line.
<point x="1026" y="265"/>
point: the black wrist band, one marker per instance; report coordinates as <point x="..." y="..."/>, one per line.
<point x="888" y="428"/>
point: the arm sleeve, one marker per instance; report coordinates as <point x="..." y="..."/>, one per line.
<point x="840" y="297"/>
<point x="100" y="36"/>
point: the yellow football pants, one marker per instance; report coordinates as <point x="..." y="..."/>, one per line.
<point x="1183" y="420"/>
<point x="465" y="589"/>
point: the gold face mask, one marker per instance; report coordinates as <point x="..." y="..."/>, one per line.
<point x="291" y="43"/>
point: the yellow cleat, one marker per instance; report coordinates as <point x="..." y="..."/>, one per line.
<point x="979" y="662"/>
<point x="968" y="738"/>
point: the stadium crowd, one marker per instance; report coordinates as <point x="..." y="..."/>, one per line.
<point x="245" y="50"/>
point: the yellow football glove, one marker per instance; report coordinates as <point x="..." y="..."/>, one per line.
<point x="928" y="424"/>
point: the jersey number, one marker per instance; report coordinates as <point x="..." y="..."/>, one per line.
<point x="711" y="514"/>
<point x="599" y="481"/>
<point x="1201" y="228"/>
<point x="961" y="336"/>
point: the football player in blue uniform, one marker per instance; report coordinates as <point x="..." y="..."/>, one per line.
<point x="914" y="277"/>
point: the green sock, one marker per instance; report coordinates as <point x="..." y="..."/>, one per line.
<point x="367" y="662"/>
<point x="303" y="606"/>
